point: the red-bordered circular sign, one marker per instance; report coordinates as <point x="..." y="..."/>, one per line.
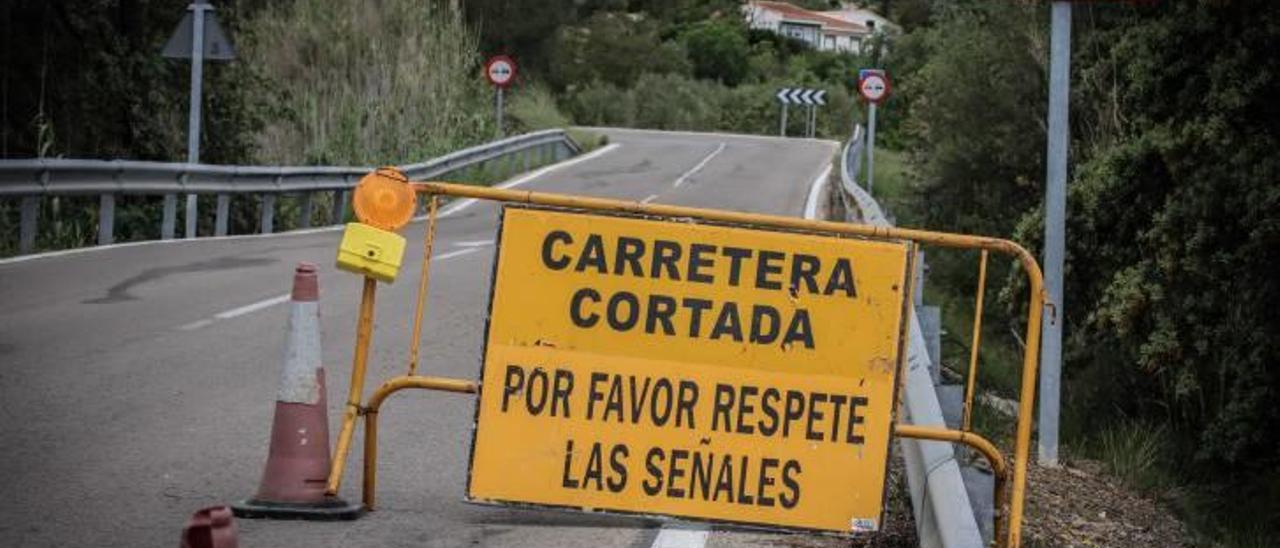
<point x="500" y="70"/>
<point x="875" y="87"/>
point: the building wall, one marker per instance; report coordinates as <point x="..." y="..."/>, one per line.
<point x="810" y="33"/>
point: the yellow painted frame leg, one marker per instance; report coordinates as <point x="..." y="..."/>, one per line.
<point x="364" y="333"/>
<point x="971" y="380"/>
<point x="423" y="281"/>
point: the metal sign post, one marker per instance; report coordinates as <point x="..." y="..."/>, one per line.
<point x="873" y="85"/>
<point x="782" y="124"/>
<point x="871" y="147"/>
<point x="198" y="37"/>
<point x="498" y="109"/>
<point x="1055" y="205"/>
<point x="193" y="114"/>
<point x="501" y="71"/>
<point x="784" y="101"/>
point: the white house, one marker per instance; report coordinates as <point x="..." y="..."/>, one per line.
<point x="818" y="29"/>
<point x="865" y="17"/>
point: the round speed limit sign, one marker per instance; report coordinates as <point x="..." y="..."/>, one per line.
<point x="874" y="87"/>
<point x="500" y="70"/>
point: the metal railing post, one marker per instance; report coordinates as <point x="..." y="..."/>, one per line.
<point x="28" y="224"/>
<point x="304" y="217"/>
<point x="106" y="219"/>
<point x="220" y="218"/>
<point x="193" y="215"/>
<point x="169" y="218"/>
<point x="339" y="207"/>
<point x="268" y="213"/>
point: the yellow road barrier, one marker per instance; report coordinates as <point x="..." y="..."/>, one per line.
<point x="1010" y="488"/>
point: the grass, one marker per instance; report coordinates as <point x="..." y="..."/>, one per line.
<point x="588" y="140"/>
<point x="354" y="84"/>
<point x="891" y="183"/>
<point x="1134" y="452"/>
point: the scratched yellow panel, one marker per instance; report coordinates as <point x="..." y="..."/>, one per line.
<point x="743" y="375"/>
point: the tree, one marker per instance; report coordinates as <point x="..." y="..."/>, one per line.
<point x="718" y="50"/>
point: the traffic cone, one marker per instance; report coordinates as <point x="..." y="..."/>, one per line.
<point x="210" y="527"/>
<point x="297" y="468"/>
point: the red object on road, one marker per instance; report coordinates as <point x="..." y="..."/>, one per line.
<point x="297" y="470"/>
<point x="211" y="527"/>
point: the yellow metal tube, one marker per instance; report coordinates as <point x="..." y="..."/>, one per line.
<point x="364" y="332"/>
<point x="967" y="420"/>
<point x="999" y="468"/>
<point x="371" y="419"/>
<point x="777" y="221"/>
<point x="1026" y="402"/>
<point x="423" y="280"/>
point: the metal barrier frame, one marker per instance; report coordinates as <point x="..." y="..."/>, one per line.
<point x="1008" y="520"/>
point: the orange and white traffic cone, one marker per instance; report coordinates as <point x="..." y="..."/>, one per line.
<point x="297" y="470"/>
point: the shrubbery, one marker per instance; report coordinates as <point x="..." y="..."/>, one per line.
<point x="1172" y="228"/>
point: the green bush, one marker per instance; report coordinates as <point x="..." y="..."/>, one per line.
<point x="617" y="48"/>
<point x="718" y="51"/>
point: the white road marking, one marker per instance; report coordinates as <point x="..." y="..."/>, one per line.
<point x="716" y="135"/>
<point x="462" y="204"/>
<point x="454" y="253"/>
<point x="685" y="176"/>
<point x="649" y="199"/>
<point x="50" y="254"/>
<point x="474" y="243"/>
<point x="195" y="325"/>
<point x="815" y="193"/>
<point x="254" y="307"/>
<point x="681" y="536"/>
<point x="281" y="299"/>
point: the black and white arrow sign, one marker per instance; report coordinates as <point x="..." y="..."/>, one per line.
<point x="802" y="96"/>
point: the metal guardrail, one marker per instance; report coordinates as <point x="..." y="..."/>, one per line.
<point x="34" y="179"/>
<point x="939" y="501"/>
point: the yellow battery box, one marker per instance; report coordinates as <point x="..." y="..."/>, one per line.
<point x="371" y="252"/>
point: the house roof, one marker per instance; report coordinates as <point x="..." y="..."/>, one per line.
<point x="829" y="24"/>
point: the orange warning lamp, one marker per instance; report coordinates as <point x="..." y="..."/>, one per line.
<point x="384" y="199"/>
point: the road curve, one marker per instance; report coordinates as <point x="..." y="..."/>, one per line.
<point x="137" y="382"/>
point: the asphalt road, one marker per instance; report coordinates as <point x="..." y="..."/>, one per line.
<point x="137" y="382"/>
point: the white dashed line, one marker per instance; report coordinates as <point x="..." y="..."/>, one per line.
<point x="452" y="254"/>
<point x="685" y="176"/>
<point x="649" y="199"/>
<point x="462" y="204"/>
<point x="278" y="299"/>
<point x="281" y="299"/>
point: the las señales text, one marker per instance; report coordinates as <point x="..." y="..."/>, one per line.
<point x="680" y="472"/>
<point x="696" y="263"/>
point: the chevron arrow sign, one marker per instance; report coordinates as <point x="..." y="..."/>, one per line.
<point x="802" y="96"/>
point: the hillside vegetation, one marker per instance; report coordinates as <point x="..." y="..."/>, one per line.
<point x="1173" y="227"/>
